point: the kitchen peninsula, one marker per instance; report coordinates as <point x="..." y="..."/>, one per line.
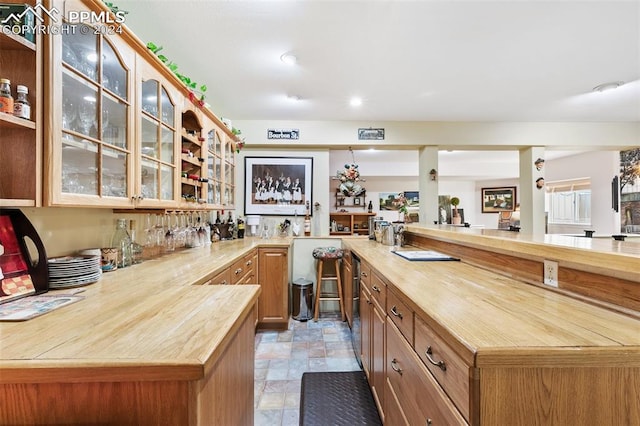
<point x="143" y="347"/>
<point x="486" y="348"/>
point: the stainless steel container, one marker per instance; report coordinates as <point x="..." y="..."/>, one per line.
<point x="388" y="236"/>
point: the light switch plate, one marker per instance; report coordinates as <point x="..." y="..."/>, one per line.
<point x="550" y="277"/>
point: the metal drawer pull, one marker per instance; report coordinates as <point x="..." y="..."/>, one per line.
<point x="429" y="422"/>
<point x="395" y="312"/>
<point x="223" y="282"/>
<point x="376" y="288"/>
<point x="249" y="263"/>
<point x="238" y="271"/>
<point x="364" y="274"/>
<point x="394" y="365"/>
<point x="440" y="364"/>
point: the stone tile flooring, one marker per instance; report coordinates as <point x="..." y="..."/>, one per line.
<point x="282" y="357"/>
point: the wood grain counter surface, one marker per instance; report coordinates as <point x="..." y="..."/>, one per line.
<point x="146" y="321"/>
<point x="598" y="255"/>
<point x="498" y="319"/>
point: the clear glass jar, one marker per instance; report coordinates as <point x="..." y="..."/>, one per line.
<point x="6" y="100"/>
<point x="21" y="106"/>
<point x="121" y="240"/>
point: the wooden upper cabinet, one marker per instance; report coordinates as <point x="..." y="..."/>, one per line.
<point x="89" y="113"/>
<point x="21" y="139"/>
<point x="157" y="132"/>
<point x="117" y="122"/>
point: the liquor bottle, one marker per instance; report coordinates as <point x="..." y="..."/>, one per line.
<point x="21" y="106"/>
<point x="240" y="227"/>
<point x="307" y="222"/>
<point x="370" y="207"/>
<point x="121" y="240"/>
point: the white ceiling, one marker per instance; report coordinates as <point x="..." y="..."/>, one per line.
<point x="409" y="60"/>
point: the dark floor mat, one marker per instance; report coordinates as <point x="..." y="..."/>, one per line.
<point x="337" y="398"/>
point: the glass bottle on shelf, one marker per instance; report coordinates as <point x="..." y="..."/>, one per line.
<point x="6" y="100"/>
<point x="21" y="106"/>
<point x="121" y="240"/>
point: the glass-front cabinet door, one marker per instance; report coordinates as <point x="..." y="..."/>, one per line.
<point x="229" y="173"/>
<point x="158" y="169"/>
<point x="214" y="168"/>
<point x="91" y="148"/>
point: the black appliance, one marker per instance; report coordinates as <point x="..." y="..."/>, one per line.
<point x="356" y="340"/>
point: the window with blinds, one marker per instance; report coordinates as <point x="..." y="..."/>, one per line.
<point x="569" y="201"/>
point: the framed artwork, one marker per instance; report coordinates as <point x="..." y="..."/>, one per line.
<point x="444" y="209"/>
<point x="389" y="200"/>
<point x="496" y="200"/>
<point x="279" y="186"/>
<point x="356" y="201"/>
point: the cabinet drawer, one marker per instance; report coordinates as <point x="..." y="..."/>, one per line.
<point x="451" y="371"/>
<point x="243" y="267"/>
<point x="379" y="291"/>
<point x="365" y="275"/>
<point x="420" y="397"/>
<point x="401" y="315"/>
<point x="222" y="278"/>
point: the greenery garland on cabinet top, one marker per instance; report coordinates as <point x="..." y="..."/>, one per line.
<point x="190" y="84"/>
<point x="193" y="88"/>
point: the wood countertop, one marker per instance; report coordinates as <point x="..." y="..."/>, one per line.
<point x="598" y="255"/>
<point x="492" y="317"/>
<point x="146" y="321"/>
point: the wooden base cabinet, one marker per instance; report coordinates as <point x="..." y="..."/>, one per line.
<point x="416" y="393"/>
<point x="372" y="320"/>
<point x="273" y="275"/>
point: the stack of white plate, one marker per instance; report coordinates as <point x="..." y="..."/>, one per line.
<point x="73" y="271"/>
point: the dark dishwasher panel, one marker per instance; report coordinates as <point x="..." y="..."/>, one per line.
<point x="355" y="328"/>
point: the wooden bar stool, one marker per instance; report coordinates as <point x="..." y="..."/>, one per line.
<point x="328" y="254"/>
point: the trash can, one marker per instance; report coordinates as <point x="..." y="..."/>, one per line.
<point x="302" y="299"/>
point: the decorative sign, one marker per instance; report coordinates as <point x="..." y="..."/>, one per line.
<point x="371" y="134"/>
<point x="283" y="134"/>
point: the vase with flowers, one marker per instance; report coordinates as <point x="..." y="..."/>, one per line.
<point x="455" y="219"/>
<point x="403" y="209"/>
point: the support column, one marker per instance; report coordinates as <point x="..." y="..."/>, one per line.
<point x="530" y="197"/>
<point x="427" y="161"/>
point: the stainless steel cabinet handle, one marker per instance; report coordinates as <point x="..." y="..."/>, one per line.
<point x="394" y="365"/>
<point x="376" y="288"/>
<point x="395" y="312"/>
<point x="440" y="364"/>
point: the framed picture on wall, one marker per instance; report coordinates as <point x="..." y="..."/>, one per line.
<point x="279" y="186"/>
<point x="496" y="200"/>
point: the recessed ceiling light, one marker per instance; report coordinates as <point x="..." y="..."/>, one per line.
<point x="289" y="58"/>
<point x="608" y="86"/>
<point x="294" y="98"/>
<point x="355" y="102"/>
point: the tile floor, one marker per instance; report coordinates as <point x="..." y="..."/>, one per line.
<point x="282" y="357"/>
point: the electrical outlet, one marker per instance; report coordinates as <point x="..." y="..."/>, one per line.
<point x="550" y="277"/>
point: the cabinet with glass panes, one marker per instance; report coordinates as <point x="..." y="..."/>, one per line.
<point x="89" y="148"/>
<point x="116" y="127"/>
<point x="220" y="170"/>
<point x="21" y="138"/>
